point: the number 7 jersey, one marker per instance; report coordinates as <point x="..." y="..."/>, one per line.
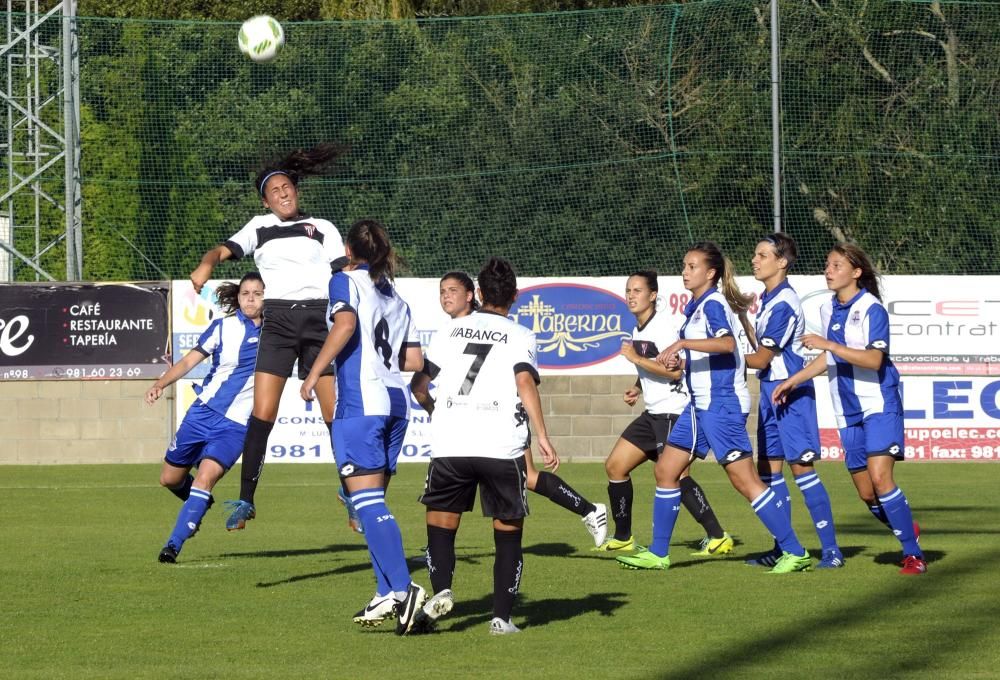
<point x="473" y="362"/>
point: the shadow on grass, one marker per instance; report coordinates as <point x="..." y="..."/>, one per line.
<point x="415" y="563"/>
<point x="335" y="548"/>
<point x="473" y="613"/>
<point x="764" y="650"/>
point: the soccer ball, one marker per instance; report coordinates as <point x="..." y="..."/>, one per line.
<point x="261" y="37"/>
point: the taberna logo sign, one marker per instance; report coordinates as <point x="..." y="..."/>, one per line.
<point x="575" y="325"/>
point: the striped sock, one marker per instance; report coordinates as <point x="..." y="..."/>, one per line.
<point x="897" y="509"/>
<point x="776" y="521"/>
<point x="818" y="502"/>
<point x="666" y="507"/>
<point x="782" y="494"/>
<point x="385" y="543"/>
<point x="189" y="517"/>
<point x="878" y="512"/>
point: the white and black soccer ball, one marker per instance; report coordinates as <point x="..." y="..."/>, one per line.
<point x="261" y="38"/>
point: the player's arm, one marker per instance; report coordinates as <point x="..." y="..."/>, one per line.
<point x="632" y="394"/>
<point x="814" y="368"/>
<point x="344" y="323"/>
<point x="760" y="359"/>
<point x="175" y="373"/>
<point x="870" y="358"/>
<point x="203" y="272"/>
<point x="420" y="387"/>
<point x="527" y="390"/>
<point x="648" y="364"/>
<point x="413" y="358"/>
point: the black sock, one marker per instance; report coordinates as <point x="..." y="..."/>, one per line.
<point x="620" y="495"/>
<point x="696" y="503"/>
<point x="254" y="451"/>
<point x="184" y="490"/>
<point x="440" y="557"/>
<point x="507" y="567"/>
<point x="562" y="494"/>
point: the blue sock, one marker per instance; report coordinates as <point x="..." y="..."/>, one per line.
<point x="818" y="502"/>
<point x="666" y="507"/>
<point x="776" y="521"/>
<point x="385" y="543"/>
<point x="189" y="517"/>
<point x="783" y="498"/>
<point x="879" y="513"/>
<point x="897" y="509"/>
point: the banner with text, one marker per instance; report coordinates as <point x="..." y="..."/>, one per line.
<point x="580" y="322"/>
<point x="73" y="331"/>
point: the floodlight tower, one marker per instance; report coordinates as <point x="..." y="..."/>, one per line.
<point x="40" y="143"/>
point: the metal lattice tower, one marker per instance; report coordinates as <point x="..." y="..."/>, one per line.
<point x="41" y="141"/>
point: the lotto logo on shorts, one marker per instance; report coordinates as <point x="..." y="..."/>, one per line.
<point x="346" y="470"/>
<point x="808" y="456"/>
<point x="575" y="325"/>
<point x="733" y="455"/>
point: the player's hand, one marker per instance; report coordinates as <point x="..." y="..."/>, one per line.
<point x="670" y="357"/>
<point x="815" y="342"/>
<point x="308" y="385"/>
<point x="780" y="394"/>
<point x="200" y="276"/>
<point x="632" y="395"/>
<point x="628" y="350"/>
<point x="550" y="459"/>
<point x="153" y="394"/>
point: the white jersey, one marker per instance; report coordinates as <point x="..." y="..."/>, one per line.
<point x="474" y="361"/>
<point x="369" y="382"/>
<point x="662" y="395"/>
<point x="293" y="256"/>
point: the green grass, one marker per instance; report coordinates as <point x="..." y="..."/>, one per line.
<point x="82" y="595"/>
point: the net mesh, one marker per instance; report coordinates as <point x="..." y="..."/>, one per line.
<point x="580" y="143"/>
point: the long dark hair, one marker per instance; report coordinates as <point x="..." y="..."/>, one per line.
<point x="498" y="283"/>
<point x="228" y="293"/>
<point x="725" y="278"/>
<point x="317" y="160"/>
<point x="466" y="282"/>
<point x="369" y="241"/>
<point x="869" y="279"/>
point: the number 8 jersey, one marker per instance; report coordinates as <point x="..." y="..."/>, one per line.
<point x="473" y="362"/>
<point x="369" y="382"/>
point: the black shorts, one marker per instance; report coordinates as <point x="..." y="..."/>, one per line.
<point x="451" y="486"/>
<point x="292" y="329"/>
<point x="649" y="432"/>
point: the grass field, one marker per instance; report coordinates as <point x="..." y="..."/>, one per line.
<point x="84" y="597"/>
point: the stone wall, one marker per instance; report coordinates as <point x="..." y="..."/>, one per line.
<point x="62" y="422"/>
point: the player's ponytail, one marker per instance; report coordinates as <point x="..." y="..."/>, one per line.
<point x="498" y="283"/>
<point x="725" y="277"/>
<point x="869" y="279"/>
<point x="318" y="160"/>
<point x="228" y="294"/>
<point x="369" y="242"/>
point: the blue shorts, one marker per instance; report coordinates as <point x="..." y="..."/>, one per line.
<point x="880" y="434"/>
<point x="696" y="431"/>
<point x="205" y="433"/>
<point x="788" y="431"/>
<point x="365" y="445"/>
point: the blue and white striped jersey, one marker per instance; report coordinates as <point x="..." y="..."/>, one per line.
<point x="716" y="382"/>
<point x="369" y="382"/>
<point x="780" y="326"/>
<point x="292" y="256"/>
<point x="860" y="323"/>
<point x="231" y="342"/>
